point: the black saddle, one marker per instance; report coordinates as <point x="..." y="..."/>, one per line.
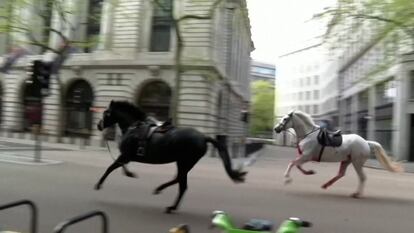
<point x="165" y="127"/>
<point x="144" y="130"/>
<point x="258" y="225"/>
<point x="329" y="138"/>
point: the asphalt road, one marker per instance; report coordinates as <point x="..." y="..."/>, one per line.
<point x="66" y="189"/>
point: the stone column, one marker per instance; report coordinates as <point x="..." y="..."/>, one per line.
<point x="341" y="114"/>
<point x="12" y="112"/>
<point x="106" y="26"/>
<point x="400" y="124"/>
<point x="354" y="112"/>
<point x="371" y="112"/>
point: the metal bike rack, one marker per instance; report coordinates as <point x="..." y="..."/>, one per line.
<point x="33" y="209"/>
<point x="61" y="227"/>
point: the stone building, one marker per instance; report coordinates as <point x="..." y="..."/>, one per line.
<point x="375" y="81"/>
<point x="134" y="60"/>
<point x="263" y="71"/>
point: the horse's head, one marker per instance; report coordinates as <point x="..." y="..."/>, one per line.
<point x="285" y="123"/>
<point x="121" y="112"/>
<point x="108" y="118"/>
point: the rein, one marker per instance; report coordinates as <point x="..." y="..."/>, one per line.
<point x="109" y="150"/>
<point x="312" y="131"/>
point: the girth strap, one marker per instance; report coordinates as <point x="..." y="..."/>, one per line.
<point x="320" y="153"/>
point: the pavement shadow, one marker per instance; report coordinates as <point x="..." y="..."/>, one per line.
<point x="151" y="212"/>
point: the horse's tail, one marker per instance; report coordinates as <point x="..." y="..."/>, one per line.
<point x="382" y="157"/>
<point x="235" y="175"/>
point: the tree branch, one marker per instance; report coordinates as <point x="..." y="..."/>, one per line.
<point x="403" y="26"/>
<point x="62" y="12"/>
<point x="64" y="38"/>
<point x="35" y="42"/>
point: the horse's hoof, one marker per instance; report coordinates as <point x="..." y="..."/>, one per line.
<point x="311" y="172"/>
<point x="325" y="186"/>
<point x="170" y="209"/>
<point x="356" y="195"/>
<point x="97" y="187"/>
<point x="288" y="181"/>
<point x="156" y="192"/>
<point x="131" y="174"/>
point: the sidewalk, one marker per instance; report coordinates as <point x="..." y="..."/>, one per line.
<point x="54" y="145"/>
<point x="23" y="152"/>
<point x="371" y="163"/>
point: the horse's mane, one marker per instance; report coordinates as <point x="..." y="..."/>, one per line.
<point x="128" y="107"/>
<point x="306" y="118"/>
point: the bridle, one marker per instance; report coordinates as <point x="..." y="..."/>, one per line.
<point x="283" y="125"/>
<point x="105" y="113"/>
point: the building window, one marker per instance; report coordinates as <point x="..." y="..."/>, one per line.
<point x="263" y="70"/>
<point x="386" y="92"/>
<point x="32" y="106"/>
<point x="411" y="85"/>
<point x="316" y="95"/>
<point x="1" y="102"/>
<point x="363" y="100"/>
<point x="161" y="26"/>
<point x="5" y="22"/>
<point x="93" y="27"/>
<point x="316" y="80"/>
<point x="79" y="100"/>
<point x="155" y="98"/>
<point x="315" y="109"/>
<point x="47" y="22"/>
<point x="307" y="109"/>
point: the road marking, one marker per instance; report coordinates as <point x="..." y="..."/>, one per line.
<point x="25" y="160"/>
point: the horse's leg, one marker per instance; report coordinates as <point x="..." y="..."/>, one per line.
<point x="120" y="161"/>
<point x="358" y="163"/>
<point x="297" y="162"/>
<point x="341" y="173"/>
<point x="127" y="172"/>
<point x="165" y="185"/>
<point x="182" y="182"/>
<point x="183" y="169"/>
<point x="305" y="172"/>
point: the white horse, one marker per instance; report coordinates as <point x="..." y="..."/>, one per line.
<point x="354" y="149"/>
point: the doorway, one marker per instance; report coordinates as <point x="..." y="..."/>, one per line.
<point x="411" y="155"/>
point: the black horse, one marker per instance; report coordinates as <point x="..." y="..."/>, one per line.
<point x="185" y="146"/>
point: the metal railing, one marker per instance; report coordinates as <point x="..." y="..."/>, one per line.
<point x="33" y="209"/>
<point x="61" y="227"/>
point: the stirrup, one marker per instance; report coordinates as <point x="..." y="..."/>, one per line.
<point x="140" y="151"/>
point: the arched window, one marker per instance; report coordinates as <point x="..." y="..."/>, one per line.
<point x="155" y="98"/>
<point x="79" y="100"/>
<point x="32" y="105"/>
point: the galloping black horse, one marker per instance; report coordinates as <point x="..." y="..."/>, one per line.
<point x="185" y="146"/>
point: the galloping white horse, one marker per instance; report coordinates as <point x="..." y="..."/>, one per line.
<point x="354" y="149"/>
